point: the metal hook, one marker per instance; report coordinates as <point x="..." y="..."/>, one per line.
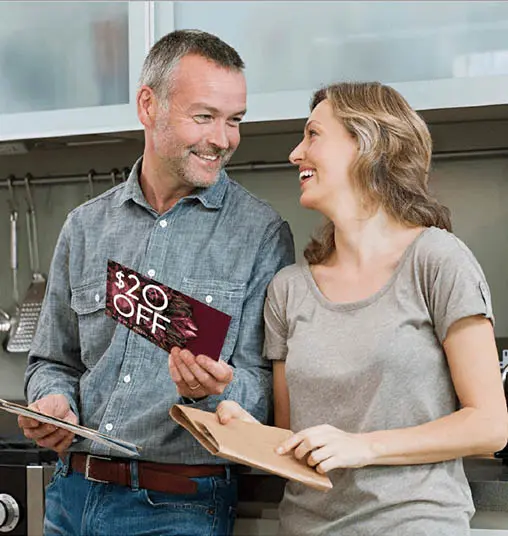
<point x="12" y="199"/>
<point x="90" y="177"/>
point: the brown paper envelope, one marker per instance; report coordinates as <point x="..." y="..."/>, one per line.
<point x="247" y="443"/>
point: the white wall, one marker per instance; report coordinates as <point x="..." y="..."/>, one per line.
<point x="475" y="191"/>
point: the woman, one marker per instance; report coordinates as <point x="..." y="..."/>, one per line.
<point x="385" y="362"/>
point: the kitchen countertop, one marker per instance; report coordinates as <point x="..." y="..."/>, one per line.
<point x="260" y="493"/>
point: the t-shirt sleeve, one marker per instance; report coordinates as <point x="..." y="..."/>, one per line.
<point x="276" y="330"/>
<point x="459" y="289"/>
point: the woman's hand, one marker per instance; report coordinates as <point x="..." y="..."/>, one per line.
<point x="326" y="447"/>
<point x="228" y="410"/>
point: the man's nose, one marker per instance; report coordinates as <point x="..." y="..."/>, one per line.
<point x="218" y="136"/>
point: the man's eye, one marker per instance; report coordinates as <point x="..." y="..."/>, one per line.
<point x="235" y="120"/>
<point x="202" y="118"/>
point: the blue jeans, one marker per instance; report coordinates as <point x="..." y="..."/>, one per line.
<point x="78" y="507"/>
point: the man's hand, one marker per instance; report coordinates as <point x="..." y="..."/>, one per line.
<point x="197" y="377"/>
<point x="48" y="435"/>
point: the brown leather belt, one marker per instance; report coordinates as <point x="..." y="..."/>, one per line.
<point x="168" y="478"/>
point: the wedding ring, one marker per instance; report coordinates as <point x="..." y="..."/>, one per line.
<point x="194" y="387"/>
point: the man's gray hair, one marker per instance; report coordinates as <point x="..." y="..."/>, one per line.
<point x="164" y="56"/>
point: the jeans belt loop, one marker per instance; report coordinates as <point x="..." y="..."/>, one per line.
<point x="134" y="475"/>
<point x="227" y="469"/>
<point x="66" y="463"/>
<point x="89" y="457"/>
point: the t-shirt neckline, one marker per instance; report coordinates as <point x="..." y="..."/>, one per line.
<point x="350" y="306"/>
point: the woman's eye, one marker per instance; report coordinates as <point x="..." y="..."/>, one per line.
<point x="312" y="133"/>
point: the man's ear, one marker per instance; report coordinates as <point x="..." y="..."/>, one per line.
<point x="146" y="103"/>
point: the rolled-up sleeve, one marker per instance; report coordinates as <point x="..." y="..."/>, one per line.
<point x="54" y="362"/>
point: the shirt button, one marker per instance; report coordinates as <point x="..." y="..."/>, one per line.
<point x="163" y="223"/>
<point x="208" y="299"/>
<point x="97" y="298"/>
<point x="151" y="273"/>
<point x="127" y="378"/>
<point x="109" y="427"/>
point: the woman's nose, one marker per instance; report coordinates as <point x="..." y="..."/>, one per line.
<point x="296" y="154"/>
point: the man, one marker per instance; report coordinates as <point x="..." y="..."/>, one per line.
<point x="181" y="221"/>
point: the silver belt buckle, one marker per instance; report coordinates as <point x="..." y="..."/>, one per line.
<point x="89" y="457"/>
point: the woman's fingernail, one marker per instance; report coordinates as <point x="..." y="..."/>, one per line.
<point x="279" y="450"/>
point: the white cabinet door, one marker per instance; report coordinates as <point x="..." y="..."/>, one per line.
<point x="70" y="67"/>
<point x="439" y="55"/>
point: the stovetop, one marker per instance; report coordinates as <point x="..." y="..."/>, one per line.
<point x="16" y="450"/>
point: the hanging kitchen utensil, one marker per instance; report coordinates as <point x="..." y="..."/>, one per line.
<point x="30" y="308"/>
<point x="5" y="321"/>
<point x="5" y="317"/>
<point x="90" y="177"/>
<point x="14" y="317"/>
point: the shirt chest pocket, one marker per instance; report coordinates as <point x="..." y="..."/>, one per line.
<point x="95" y="328"/>
<point x="225" y="296"/>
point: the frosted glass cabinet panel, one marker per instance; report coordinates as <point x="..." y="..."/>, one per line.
<point x="439" y="54"/>
<point x="69" y="67"/>
<point x="57" y="55"/>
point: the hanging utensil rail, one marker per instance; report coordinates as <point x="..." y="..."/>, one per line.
<point x="92" y="176"/>
<point x="120" y="176"/>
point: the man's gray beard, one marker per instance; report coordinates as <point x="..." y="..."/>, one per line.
<point x="196" y="182"/>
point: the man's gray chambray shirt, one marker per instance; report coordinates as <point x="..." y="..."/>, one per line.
<point x="220" y="245"/>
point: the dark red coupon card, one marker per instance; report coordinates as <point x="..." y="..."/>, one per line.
<point x="163" y="315"/>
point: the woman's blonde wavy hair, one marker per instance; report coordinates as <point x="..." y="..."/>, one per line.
<point x="392" y="167"/>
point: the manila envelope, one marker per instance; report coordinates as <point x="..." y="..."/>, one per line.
<point x="248" y="443"/>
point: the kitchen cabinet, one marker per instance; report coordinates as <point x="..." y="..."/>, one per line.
<point x="451" y="55"/>
<point x="70" y="67"/>
<point x="260" y="494"/>
<point x="270" y="527"/>
<point x="257" y="527"/>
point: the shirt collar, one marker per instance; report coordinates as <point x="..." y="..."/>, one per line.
<point x="211" y="197"/>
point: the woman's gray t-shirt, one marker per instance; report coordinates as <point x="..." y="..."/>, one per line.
<point x="377" y="364"/>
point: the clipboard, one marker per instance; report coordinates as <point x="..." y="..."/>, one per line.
<point x="123" y="447"/>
